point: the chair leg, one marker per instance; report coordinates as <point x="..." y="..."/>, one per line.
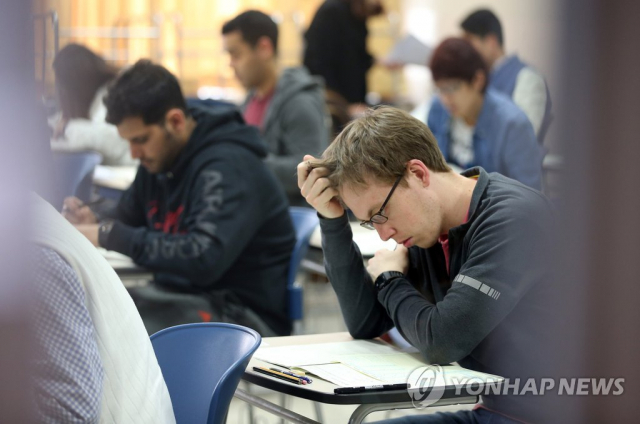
<point x="318" y="407"/>
<point x="283" y="403"/>
<point x="250" y="411"/>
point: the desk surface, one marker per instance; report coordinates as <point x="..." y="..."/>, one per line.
<point x="123" y="265"/>
<point x="322" y="390"/>
<point x="114" y="177"/>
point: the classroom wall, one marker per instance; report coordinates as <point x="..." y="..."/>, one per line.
<point x="184" y="35"/>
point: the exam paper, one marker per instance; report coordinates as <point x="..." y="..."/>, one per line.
<point x="391" y="369"/>
<point x="321" y="353"/>
<point x="409" y="368"/>
<point x="341" y="375"/>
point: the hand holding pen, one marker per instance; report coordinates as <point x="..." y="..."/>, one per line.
<point x="77" y="212"/>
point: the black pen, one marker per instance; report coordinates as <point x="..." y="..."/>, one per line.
<point x="376" y="388"/>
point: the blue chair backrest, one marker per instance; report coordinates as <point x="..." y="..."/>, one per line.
<point x="202" y="365"/>
<point x="305" y="220"/>
<point x="74" y="173"/>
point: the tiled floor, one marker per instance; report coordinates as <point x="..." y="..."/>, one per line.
<point x="322" y="315"/>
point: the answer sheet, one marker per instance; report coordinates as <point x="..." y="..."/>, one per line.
<point x="321" y="353"/>
<point x="341" y="375"/>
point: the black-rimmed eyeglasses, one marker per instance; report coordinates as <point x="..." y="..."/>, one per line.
<point x="378" y="217"/>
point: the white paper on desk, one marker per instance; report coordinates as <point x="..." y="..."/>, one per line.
<point x="117" y="260"/>
<point x="321" y="353"/>
<point x="399" y="368"/>
<point x="341" y="375"/>
<point x="409" y="50"/>
<point x="369" y="242"/>
<point x="390" y="368"/>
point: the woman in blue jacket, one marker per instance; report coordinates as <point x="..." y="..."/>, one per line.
<point x="476" y="126"/>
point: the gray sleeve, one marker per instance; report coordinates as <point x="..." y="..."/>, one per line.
<point x="304" y="131"/>
<point x="363" y="314"/>
<point x="505" y="256"/>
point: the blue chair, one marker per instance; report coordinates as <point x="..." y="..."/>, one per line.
<point x="305" y="220"/>
<point x="74" y="173"/>
<point x="202" y="365"/>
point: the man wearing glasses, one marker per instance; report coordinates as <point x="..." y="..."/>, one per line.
<point x="471" y="267"/>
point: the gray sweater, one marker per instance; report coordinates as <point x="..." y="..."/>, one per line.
<point x="484" y="314"/>
<point x="295" y="124"/>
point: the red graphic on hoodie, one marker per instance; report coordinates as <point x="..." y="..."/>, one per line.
<point x="170" y="223"/>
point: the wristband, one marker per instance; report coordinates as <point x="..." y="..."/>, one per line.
<point x="103" y="231"/>
<point x="386" y="278"/>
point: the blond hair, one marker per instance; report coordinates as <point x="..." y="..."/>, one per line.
<point x="379" y="145"/>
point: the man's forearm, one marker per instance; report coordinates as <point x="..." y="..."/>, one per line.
<point x="363" y="315"/>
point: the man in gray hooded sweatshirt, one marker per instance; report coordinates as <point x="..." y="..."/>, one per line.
<point x="287" y="106"/>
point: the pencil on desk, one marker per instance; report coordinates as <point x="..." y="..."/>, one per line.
<point x="279" y="375"/>
<point x="299" y="375"/>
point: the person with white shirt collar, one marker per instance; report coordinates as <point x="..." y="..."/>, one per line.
<point x="82" y="78"/>
<point x="509" y="75"/>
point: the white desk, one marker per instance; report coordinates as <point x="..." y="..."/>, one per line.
<point x="322" y="391"/>
<point x="114" y="177"/>
<point x="124" y="266"/>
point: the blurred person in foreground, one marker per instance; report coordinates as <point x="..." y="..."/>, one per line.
<point x="287" y="106"/>
<point x="82" y="78"/>
<point x="470" y="277"/>
<point x="93" y="359"/>
<point x="204" y="212"/>
<point x="509" y="75"/>
<point x="475" y="125"/>
<point x="336" y="50"/>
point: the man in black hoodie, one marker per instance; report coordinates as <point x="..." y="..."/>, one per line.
<point x="204" y="212"/>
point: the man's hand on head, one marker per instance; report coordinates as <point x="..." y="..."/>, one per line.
<point x="77" y="212"/>
<point x="389" y="260"/>
<point x="315" y="188"/>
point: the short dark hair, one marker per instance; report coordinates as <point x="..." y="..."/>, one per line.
<point x="482" y="23"/>
<point x="253" y="25"/>
<point x="145" y="90"/>
<point x="456" y="58"/>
